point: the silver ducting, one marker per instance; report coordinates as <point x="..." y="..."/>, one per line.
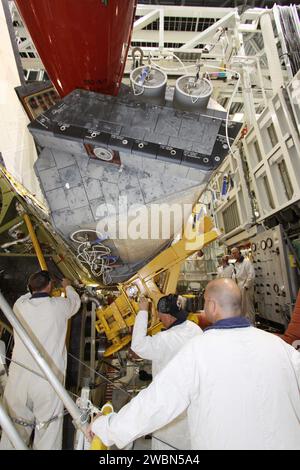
<point x="85" y="298"/>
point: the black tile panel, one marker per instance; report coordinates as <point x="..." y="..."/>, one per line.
<point x="120" y="143"/>
<point x="169" y="154"/>
<point x="146" y="149"/>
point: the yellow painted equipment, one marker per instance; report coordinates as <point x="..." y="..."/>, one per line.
<point x="35" y="243"/>
<point x="159" y="277"/>
<point x="97" y="444"/>
<point x="17" y="202"/>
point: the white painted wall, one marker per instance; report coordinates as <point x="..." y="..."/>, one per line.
<point x="16" y="144"/>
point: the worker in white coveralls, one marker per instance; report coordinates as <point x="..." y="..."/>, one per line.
<point x="240" y="386"/>
<point x="225" y="269"/>
<point x="160" y="349"/>
<point x="30" y="399"/>
<point x="244" y="276"/>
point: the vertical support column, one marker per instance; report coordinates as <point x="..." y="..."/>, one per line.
<point x="248" y="95"/>
<point x="245" y="77"/>
<point x="161" y="29"/>
<point x="271" y="51"/>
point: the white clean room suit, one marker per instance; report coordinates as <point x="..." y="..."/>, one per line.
<point x="244" y="274"/>
<point x="160" y="349"/>
<point x="226" y="272"/>
<point x="27" y="396"/>
<point x="239" y="385"/>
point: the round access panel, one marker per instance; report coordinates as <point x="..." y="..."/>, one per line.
<point x="103" y="154"/>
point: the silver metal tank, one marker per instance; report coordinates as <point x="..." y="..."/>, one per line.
<point x="191" y="94"/>
<point x="149" y="84"/>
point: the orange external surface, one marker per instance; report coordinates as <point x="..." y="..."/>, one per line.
<point x="292" y="333"/>
<point x="82" y="43"/>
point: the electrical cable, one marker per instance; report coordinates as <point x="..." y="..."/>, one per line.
<point x="97" y="258"/>
<point x="291" y="36"/>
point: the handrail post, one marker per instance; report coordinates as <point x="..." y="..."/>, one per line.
<point x="9" y="429"/>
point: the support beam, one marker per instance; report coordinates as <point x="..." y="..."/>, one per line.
<point x="151" y="36"/>
<point x="271" y="52"/>
<point x="35" y="243"/>
<point x="256" y="48"/>
<point x="146" y="20"/>
<point x="161" y="28"/>
<point x="27" y="46"/>
<point x="29" y="63"/>
<point x="204" y="36"/>
<point x="185" y="12"/>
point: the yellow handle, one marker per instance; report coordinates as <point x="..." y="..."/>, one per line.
<point x="97" y="444"/>
<point x="58" y="292"/>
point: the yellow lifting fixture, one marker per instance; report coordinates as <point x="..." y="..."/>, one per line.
<point x="57" y="292"/>
<point x="159" y="277"/>
<point x="35" y="243"/>
<point x="96" y="443"/>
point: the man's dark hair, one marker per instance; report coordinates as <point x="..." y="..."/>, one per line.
<point x="168" y="304"/>
<point x="39" y="281"/>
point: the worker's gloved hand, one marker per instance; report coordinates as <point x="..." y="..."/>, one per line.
<point x="89" y="433"/>
<point x="65" y="282"/>
<point x="144" y="304"/>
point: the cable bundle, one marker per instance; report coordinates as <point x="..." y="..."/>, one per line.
<point x="97" y="258"/>
<point x="288" y="18"/>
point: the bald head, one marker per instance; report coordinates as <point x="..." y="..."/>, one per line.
<point x="222" y="300"/>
